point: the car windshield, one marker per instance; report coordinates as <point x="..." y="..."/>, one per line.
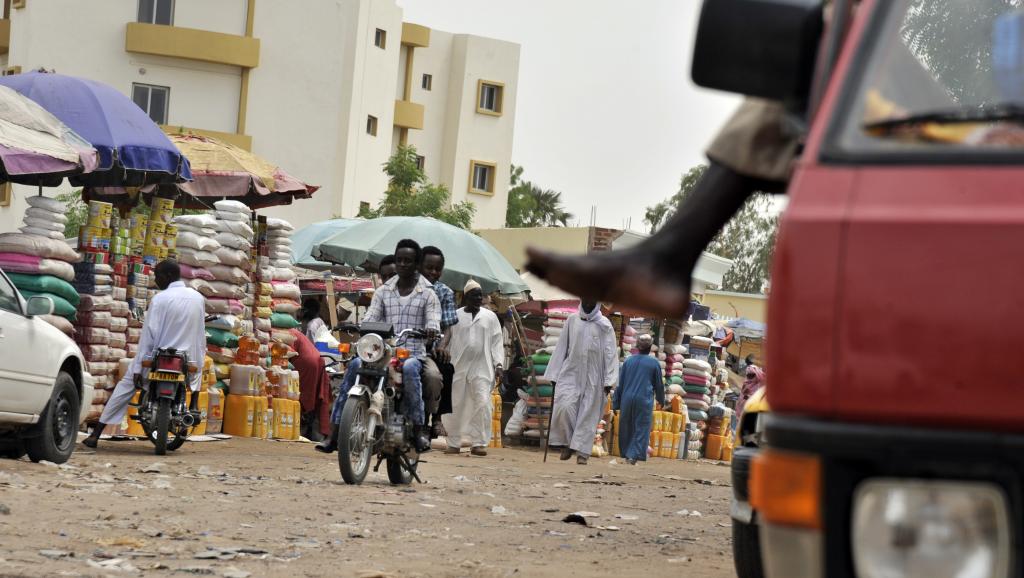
<point x="939" y="73"/>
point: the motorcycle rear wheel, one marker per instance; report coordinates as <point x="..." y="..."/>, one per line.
<point x="163" y="425"/>
<point x="353" y="441"/>
<point x="397" y="474"/>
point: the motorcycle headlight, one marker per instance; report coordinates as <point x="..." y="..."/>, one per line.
<point x="370" y="348"/>
<point x="930" y="528"/>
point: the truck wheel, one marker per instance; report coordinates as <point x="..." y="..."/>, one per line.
<point x="746" y="550"/>
<point x="58" y="426"/>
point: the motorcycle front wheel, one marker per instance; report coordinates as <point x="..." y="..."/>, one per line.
<point x="397" y="474"/>
<point x="353" y="441"/>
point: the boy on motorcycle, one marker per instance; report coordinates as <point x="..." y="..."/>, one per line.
<point x="407" y="301"/>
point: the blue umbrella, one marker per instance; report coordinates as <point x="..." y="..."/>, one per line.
<point x="133" y="151"/>
<point x="306" y="238"/>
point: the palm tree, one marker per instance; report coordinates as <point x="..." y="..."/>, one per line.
<point x="548" y="210"/>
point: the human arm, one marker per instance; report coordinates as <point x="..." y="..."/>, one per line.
<point x="617" y="392"/>
<point x="432" y="314"/>
<point x="611" y="356"/>
<point x="497" y="344"/>
<point x="375" y="313"/>
<point x="561" y="351"/>
<point x="659" y="384"/>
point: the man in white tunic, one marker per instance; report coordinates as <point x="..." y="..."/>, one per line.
<point x="584" y="363"/>
<point x="175" y="320"/>
<point x="477" y="351"/>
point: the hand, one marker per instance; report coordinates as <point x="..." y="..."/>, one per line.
<point x="441" y="354"/>
<point x="431" y="334"/>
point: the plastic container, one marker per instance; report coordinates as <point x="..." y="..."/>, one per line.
<point x="239" y="415"/>
<point x="248" y="351"/>
<point x="214" y="411"/>
<point x="246" y="380"/>
<point x="713" y="447"/>
<point x="261" y="414"/>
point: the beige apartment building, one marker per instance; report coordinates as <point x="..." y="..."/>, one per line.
<point x="327" y="89"/>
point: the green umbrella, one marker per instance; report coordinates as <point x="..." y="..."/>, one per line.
<point x="305" y="240"/>
<point x="466" y="255"/>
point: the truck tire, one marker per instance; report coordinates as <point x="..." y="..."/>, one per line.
<point x="13" y="449"/>
<point x="58" y="426"/>
<point x="746" y="550"/>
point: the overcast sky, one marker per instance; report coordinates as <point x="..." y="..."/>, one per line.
<point x="606" y="113"/>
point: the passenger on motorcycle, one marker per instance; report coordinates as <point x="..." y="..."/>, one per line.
<point x="407" y="301"/>
<point x="175" y="320"/>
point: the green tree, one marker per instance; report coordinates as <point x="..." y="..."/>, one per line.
<point x="76" y="211"/>
<point x="532" y="206"/>
<point x="411" y="194"/>
<point x="748" y="239"/>
<point x="953" y="39"/>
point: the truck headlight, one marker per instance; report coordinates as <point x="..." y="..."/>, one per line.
<point x="370" y="348"/>
<point x="930" y="528"/>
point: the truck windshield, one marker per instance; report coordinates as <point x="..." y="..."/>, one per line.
<point x="937" y="74"/>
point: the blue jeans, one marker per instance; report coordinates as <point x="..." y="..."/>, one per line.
<point x="412" y="400"/>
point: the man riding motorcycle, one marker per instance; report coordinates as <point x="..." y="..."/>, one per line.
<point x="175" y="320"/>
<point x="407" y="301"/>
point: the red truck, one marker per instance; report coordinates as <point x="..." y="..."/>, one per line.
<point x="896" y="442"/>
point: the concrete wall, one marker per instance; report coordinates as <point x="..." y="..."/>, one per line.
<point x="512" y="243"/>
<point x="727" y="304"/>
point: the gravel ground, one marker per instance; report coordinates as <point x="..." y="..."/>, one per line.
<point x="248" y="507"/>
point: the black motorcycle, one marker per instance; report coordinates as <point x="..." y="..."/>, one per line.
<point x="163" y="410"/>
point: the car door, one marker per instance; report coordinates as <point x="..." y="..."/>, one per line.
<point x="25" y="376"/>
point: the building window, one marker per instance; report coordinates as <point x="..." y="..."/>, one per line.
<point x="428" y="82"/>
<point x="489" y="97"/>
<point x="420" y="161"/>
<point x="153" y="100"/>
<point x="364" y="207"/>
<point x="380" y="40"/>
<point x="371" y="125"/>
<point x="157" y="12"/>
<point x="481" y="177"/>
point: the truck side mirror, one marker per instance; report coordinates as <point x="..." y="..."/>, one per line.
<point x="760" y="48"/>
<point x="39" y="305"/>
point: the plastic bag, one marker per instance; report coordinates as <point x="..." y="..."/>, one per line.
<point x="194" y="241"/>
<point x="514" y="427"/>
<point x="46" y="203"/>
<point x="232" y="207"/>
<point x="55" y="235"/>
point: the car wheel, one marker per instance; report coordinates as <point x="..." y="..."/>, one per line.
<point x="58" y="426"/>
<point x="746" y="550"/>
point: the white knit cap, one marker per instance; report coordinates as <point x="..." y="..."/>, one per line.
<point x="470" y="285"/>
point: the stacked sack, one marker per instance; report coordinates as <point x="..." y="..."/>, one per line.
<point x="700" y="347"/>
<point x="538" y="400"/>
<point x="285" y="295"/>
<point x="553" y="330"/>
<point x="696" y="376"/>
<point x="41" y="260"/>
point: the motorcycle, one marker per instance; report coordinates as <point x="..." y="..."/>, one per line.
<point x="163" y="410"/>
<point x="371" y="423"/>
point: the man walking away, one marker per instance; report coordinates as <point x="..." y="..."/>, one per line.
<point x="477" y="350"/>
<point x="175" y="320"/>
<point x="585" y="362"/>
<point x="407" y="301"/>
<point x="437" y="370"/>
<point x="640" y="382"/>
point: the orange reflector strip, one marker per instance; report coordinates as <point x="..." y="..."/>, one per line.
<point x="402" y="353"/>
<point x="345" y="347"/>
<point x="785" y="488"/>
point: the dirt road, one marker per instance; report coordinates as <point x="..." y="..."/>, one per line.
<point x="278" y="509"/>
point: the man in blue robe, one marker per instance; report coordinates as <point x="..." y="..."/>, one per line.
<point x="640" y="382"/>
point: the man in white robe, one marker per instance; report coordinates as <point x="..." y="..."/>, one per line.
<point x="477" y="351"/>
<point x="585" y="362"/>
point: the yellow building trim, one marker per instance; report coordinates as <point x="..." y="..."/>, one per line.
<point x="415" y="35"/>
<point x="193" y="44"/>
<point x="243" y="90"/>
<point x="403" y="136"/>
<point x="408" y="114"/>
<point x="500" y="101"/>
<point x="494" y="176"/>
<point x="242" y="141"/>
<point x="5" y="36"/>
<point x="18" y="3"/>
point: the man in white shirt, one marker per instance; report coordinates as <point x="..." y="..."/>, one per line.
<point x="477" y="350"/>
<point x="176" y="319"/>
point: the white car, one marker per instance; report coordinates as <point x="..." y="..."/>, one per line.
<point x="45" y="390"/>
